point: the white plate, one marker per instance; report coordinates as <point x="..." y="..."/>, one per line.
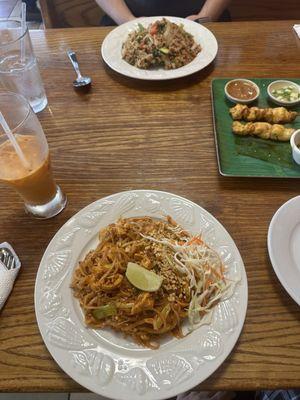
<point x="284" y="246"/>
<point x="112" y="46"/>
<point x="105" y="362"/>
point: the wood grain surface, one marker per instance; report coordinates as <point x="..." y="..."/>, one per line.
<point x="137" y="135"/>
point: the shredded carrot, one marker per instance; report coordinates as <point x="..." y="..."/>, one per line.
<point x="208" y="283"/>
<point x="195" y="240"/>
<point x="217" y="274"/>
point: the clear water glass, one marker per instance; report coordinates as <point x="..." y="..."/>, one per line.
<point x="19" y="71"/>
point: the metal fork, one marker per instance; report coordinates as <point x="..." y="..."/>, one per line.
<point x="7" y="258"/>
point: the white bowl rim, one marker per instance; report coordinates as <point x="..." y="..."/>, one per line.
<point x="285" y="82"/>
<point x="295" y="148"/>
<point x="292" y="140"/>
<point x="235" y="99"/>
<point x="275" y="265"/>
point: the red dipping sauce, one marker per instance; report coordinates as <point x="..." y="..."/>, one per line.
<point x="242" y="90"/>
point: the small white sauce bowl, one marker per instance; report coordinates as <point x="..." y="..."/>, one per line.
<point x="241" y="101"/>
<point x="279" y="85"/>
<point x="295" y="142"/>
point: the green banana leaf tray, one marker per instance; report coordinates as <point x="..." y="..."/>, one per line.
<point x="250" y="156"/>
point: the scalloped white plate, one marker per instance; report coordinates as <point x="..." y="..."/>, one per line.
<point x="112" y="46"/>
<point x="284" y="246"/>
<point x="105" y="362"/>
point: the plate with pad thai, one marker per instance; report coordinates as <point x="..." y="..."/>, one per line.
<point x="159" y="48"/>
<point x="141" y="294"/>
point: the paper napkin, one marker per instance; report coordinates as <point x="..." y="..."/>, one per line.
<point x="7" y="277"/>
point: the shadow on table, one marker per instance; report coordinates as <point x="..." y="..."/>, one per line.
<point x="171" y="84"/>
<point x="288" y="185"/>
<point x="290" y="306"/>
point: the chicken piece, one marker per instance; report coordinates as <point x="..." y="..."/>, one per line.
<point x="263" y="130"/>
<point x="238" y="112"/>
<point x="272" y="115"/>
<point x="143" y="302"/>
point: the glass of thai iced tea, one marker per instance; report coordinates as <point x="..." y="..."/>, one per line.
<point x="30" y="176"/>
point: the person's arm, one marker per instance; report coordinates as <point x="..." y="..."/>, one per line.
<point x="116" y="9"/>
<point x="212" y="9"/>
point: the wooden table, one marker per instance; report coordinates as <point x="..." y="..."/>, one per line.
<point x="133" y="135"/>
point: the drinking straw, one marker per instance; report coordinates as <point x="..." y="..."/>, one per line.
<point x="13" y="141"/>
<point x="23" y="29"/>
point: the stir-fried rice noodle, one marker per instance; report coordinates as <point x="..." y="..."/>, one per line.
<point x="193" y="279"/>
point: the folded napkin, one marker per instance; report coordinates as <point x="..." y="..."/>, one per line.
<point x="297" y="30"/>
<point x="7" y="277"/>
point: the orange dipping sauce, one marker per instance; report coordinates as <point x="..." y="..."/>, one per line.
<point x="242" y="90"/>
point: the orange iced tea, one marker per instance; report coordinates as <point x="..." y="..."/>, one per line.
<point x="35" y="184"/>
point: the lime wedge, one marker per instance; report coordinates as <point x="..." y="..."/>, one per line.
<point x="143" y="279"/>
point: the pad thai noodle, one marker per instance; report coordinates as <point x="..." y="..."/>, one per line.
<point x="190" y="275"/>
<point x="163" y="43"/>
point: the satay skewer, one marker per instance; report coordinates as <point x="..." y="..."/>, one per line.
<point x="272" y="115"/>
<point x="263" y="130"/>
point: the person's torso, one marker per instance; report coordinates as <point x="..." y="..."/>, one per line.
<point x="178" y="8"/>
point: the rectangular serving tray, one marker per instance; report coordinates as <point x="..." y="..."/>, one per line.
<point x="250" y="156"/>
